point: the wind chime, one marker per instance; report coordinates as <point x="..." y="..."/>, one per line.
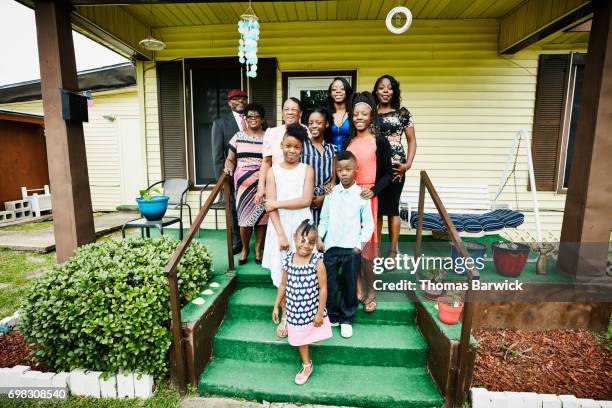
<point x="248" y="27"/>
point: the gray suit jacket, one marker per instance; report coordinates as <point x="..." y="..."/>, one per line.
<point x="223" y="129"/>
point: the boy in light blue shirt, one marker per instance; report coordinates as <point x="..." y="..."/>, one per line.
<point x="346" y="224"/>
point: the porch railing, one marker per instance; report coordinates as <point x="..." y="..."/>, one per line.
<point x="177" y="370"/>
<point x="462" y="365"/>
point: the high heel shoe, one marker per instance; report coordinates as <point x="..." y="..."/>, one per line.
<point x="244" y="261"/>
<point x="258" y="260"/>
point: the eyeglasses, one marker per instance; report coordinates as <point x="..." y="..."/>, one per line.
<point x="290" y="110"/>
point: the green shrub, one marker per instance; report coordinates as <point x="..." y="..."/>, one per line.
<point x="107" y="308"/>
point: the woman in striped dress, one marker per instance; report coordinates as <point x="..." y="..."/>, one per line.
<point x="320" y="155"/>
<point x="244" y="162"/>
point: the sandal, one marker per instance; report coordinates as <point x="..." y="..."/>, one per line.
<point x="370" y="305"/>
<point x="304" y="374"/>
<point x="281" y="329"/>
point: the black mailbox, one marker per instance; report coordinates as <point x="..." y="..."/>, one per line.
<point x="74" y="107"/>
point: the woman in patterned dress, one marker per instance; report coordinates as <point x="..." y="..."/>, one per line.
<point x="394" y="121"/>
<point x="244" y="161"/>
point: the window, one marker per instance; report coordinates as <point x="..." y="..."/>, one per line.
<point x="558" y="97"/>
<point x="311" y="87"/>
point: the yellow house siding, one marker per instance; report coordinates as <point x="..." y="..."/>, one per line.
<point x="101" y="141"/>
<point x="152" y="122"/>
<point x="467" y="100"/>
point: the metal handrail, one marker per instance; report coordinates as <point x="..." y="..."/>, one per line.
<point x="178" y="369"/>
<point x="468" y="310"/>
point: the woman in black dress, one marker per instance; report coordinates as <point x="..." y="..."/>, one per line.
<point x="394" y="121"/>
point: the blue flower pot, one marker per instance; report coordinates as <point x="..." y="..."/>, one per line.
<point x="475" y="250"/>
<point x="153" y="209"/>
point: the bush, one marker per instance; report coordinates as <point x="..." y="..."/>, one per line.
<point x="107" y="308"/>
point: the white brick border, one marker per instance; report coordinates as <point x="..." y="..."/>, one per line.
<point x="482" y="398"/>
<point x="81" y="382"/>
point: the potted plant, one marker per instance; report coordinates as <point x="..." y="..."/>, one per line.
<point x="510" y="258"/>
<point x="450" y="307"/>
<point x="433" y="276"/>
<point x="152" y="207"/>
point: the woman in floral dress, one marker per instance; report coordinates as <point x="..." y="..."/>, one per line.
<point x="395" y="121"/>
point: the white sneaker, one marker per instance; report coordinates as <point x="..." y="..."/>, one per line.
<point x="346" y="330"/>
<point x="334" y="324"/>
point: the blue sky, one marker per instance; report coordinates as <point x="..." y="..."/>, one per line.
<point x="20" y="53"/>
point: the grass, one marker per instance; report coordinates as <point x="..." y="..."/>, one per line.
<point x="14" y="267"/>
<point x="30" y="226"/>
<point x="37" y="225"/>
<point x="164" y="397"/>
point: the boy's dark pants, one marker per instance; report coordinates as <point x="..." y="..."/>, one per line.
<point x="350" y="262"/>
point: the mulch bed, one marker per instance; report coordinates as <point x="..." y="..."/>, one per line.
<point x="14" y="351"/>
<point x="559" y="362"/>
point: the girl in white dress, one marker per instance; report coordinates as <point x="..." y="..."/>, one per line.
<point x="289" y="189"/>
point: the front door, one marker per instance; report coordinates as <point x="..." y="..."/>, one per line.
<point x="210" y="81"/>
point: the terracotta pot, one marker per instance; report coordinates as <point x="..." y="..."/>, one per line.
<point x="510" y="261"/>
<point x="449" y="314"/>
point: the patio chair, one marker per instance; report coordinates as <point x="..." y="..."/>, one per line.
<point x="217" y="206"/>
<point x="176" y="189"/>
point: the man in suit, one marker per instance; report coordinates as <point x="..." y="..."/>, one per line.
<point x="223" y="129"/>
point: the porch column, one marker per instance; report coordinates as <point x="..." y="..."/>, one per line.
<point x="588" y="207"/>
<point x="72" y="213"/>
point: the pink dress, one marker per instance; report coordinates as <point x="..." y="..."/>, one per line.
<point x="302" y="295"/>
<point x="364" y="149"/>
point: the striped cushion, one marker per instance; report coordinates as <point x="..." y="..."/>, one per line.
<point x="490" y="223"/>
<point x="511" y="219"/>
<point x="473" y="223"/>
<point x="431" y="222"/>
<point x="457" y="219"/>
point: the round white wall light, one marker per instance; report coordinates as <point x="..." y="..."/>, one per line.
<point x="399" y="10"/>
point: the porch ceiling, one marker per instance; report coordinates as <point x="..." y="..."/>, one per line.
<point x="186" y="14"/>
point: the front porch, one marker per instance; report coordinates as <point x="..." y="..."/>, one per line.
<point x="472" y="75"/>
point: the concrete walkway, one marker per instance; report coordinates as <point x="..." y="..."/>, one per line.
<point x="200" y="402"/>
<point x="44" y="240"/>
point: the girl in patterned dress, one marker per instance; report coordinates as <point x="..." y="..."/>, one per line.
<point x="304" y="289"/>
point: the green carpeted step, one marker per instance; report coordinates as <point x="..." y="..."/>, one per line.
<point x="382" y="345"/>
<point x="256" y="303"/>
<point x="252" y="274"/>
<point x="331" y="384"/>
